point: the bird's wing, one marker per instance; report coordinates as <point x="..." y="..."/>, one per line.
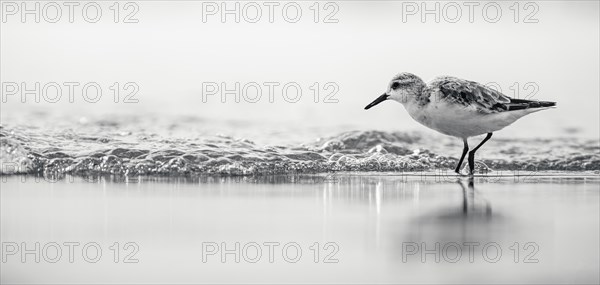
<point x="469" y="94"/>
<point x="480" y="97"/>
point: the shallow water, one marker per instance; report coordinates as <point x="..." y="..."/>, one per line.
<point x="368" y="220"/>
<point x="356" y="202"/>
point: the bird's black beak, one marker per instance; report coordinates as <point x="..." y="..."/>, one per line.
<point x="377" y="101"/>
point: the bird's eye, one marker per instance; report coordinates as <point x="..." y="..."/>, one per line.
<point x="395" y="85"/>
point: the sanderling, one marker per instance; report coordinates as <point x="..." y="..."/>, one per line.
<point x="458" y="108"/>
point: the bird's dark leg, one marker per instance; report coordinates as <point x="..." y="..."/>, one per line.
<point x="472" y="153"/>
<point x="462" y="157"/>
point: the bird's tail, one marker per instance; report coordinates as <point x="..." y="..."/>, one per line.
<point x="518" y="104"/>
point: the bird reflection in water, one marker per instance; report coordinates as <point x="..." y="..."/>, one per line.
<point x="473" y="220"/>
<point x="471" y="205"/>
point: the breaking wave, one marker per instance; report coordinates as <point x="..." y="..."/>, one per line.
<point x="34" y="151"/>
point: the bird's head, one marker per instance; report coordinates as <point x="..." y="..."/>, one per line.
<point x="404" y="88"/>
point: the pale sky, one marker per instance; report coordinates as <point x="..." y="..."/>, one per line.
<point x="170" y="52"/>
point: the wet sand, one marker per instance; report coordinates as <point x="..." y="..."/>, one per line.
<point x="368" y="228"/>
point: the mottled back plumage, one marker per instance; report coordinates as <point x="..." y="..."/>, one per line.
<point x="472" y="94"/>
